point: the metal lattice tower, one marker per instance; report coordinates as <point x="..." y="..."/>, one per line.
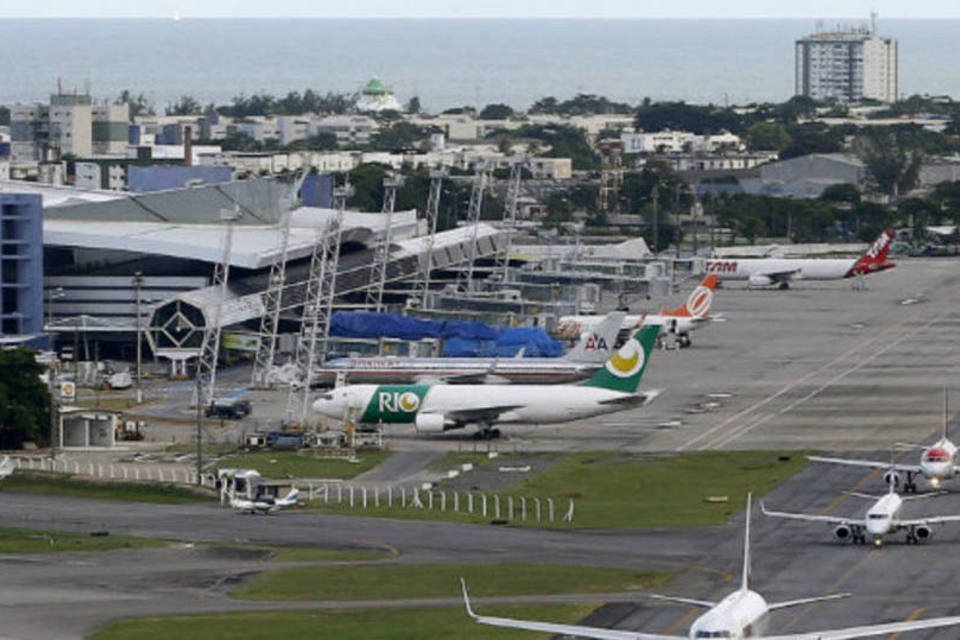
<point x="422" y="284"/>
<point x="210" y="346"/>
<point x="272" y="296"/>
<point x="611" y="174"/>
<point x="510" y="207"/>
<point x="381" y="251"/>
<point x="473" y="220"/>
<point x="317" y="308"/>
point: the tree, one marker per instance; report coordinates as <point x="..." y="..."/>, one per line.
<point x="891" y="169"/>
<point x="139" y="105"/>
<point x="767" y="136"/>
<point x="323" y="141"/>
<point x="25" y="402"/>
<point x="4" y="116"/>
<point x="495" y="112"/>
<point x="544" y="105"/>
<point x="398" y="135"/>
<point x="812" y="137"/>
<point x="841" y="193"/>
<point x="564" y="141"/>
<point x="185" y="106"/>
<point x="413" y="105"/>
<point x="679" y="116"/>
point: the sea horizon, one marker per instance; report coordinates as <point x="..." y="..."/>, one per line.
<point x="446" y="62"/>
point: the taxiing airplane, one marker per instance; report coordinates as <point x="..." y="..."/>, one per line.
<point x="441" y="407"/>
<point x="938" y="462"/>
<point x="689" y="316"/>
<point x="762" y="272"/>
<point x="882" y="519"/>
<point x="264" y="504"/>
<point x="739" y="615"/>
<point x="589" y="354"/>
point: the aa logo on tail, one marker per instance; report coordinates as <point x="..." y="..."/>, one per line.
<point x="595" y="343"/>
<point x="627" y="361"/>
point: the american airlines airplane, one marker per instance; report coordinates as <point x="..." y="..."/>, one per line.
<point x="441" y="407"/>
<point x="938" y="462"/>
<point x="588" y="355"/>
<point x="762" y="272"/>
<point x="689" y="316"/>
<point x="739" y="615"/>
<point x="882" y="519"/>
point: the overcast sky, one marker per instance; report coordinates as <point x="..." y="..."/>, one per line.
<point x="486" y="8"/>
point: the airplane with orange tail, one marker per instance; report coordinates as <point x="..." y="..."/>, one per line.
<point x="679" y="322"/>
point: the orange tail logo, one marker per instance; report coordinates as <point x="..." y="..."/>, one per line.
<point x="699" y="301"/>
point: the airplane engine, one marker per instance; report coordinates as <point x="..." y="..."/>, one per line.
<point x="923" y="533"/>
<point x="842" y="533"/>
<point x="892" y="477"/>
<point x="759" y="281"/>
<point x="430" y="423"/>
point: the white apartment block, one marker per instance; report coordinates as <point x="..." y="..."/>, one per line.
<point x="70" y="124"/>
<point x="679" y="142"/>
<point x="848" y="66"/>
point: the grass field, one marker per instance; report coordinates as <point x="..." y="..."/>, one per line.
<point x="440" y="623"/>
<point x="395" y="581"/>
<point x="613" y="490"/>
<point x="71" y="486"/>
<point x="31" y="541"/>
<point x="303" y="464"/>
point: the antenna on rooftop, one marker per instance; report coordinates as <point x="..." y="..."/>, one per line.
<point x="873" y="22"/>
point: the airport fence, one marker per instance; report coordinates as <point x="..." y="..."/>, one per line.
<point x="523" y="509"/>
<point x="132" y="472"/>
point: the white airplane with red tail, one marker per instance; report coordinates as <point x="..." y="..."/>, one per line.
<point x="679" y="322"/>
<point x="938" y="462"/>
<point x="763" y="272"/>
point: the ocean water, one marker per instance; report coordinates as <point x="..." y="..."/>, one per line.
<point x="445" y="62"/>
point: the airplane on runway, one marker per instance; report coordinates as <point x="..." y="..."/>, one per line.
<point x="7" y="467"/>
<point x="441" y="407"/>
<point x="690" y="316"/>
<point x="882" y="519"/>
<point x="591" y="351"/>
<point x="938" y="462"/>
<point x="742" y="614"/>
<point x="763" y="272"/>
<point x="265" y="505"/>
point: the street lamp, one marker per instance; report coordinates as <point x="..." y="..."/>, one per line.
<point x="138" y="284"/>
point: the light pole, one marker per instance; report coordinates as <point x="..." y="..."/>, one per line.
<point x="138" y="284"/>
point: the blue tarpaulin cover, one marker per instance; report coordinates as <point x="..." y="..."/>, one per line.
<point x="462" y="338"/>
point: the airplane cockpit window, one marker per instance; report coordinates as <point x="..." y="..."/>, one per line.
<point x="327" y="396"/>
<point x="877" y="516"/>
<point x="713" y="634"/>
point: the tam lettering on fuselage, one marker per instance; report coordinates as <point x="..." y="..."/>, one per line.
<point x="721" y="266"/>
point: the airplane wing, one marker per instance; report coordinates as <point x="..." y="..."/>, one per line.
<point x="480" y="414"/>
<point x="802" y="601"/>
<point x="870" y="630"/>
<point x="560" y="629"/>
<point x="807" y="517"/>
<point x="870" y="464"/>
<point x="7" y="466"/>
<point x="696" y="603"/>
<point x="916" y="522"/>
<point x="780" y="276"/>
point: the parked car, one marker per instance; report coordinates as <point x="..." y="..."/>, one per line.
<point x="228" y="408"/>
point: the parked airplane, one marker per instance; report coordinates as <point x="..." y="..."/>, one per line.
<point x="589" y="354"/>
<point x="689" y="316"/>
<point x="762" y="272"/>
<point x="882" y="519"/>
<point x="739" y="615"/>
<point x="264" y="504"/>
<point x="938" y="462"/>
<point x="441" y="407"/>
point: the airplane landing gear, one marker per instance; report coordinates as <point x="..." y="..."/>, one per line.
<point x="683" y="340"/>
<point x="783" y="286"/>
<point x="487" y="433"/>
<point x="910" y="486"/>
<point x="912" y="538"/>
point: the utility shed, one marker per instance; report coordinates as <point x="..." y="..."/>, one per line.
<point x="82" y="428"/>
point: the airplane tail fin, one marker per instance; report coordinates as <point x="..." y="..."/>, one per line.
<point x="946" y="414"/>
<point x="745" y="575"/>
<point x="624" y="370"/>
<point x="698" y="303"/>
<point x="595" y="344"/>
<point x="875" y="257"/>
